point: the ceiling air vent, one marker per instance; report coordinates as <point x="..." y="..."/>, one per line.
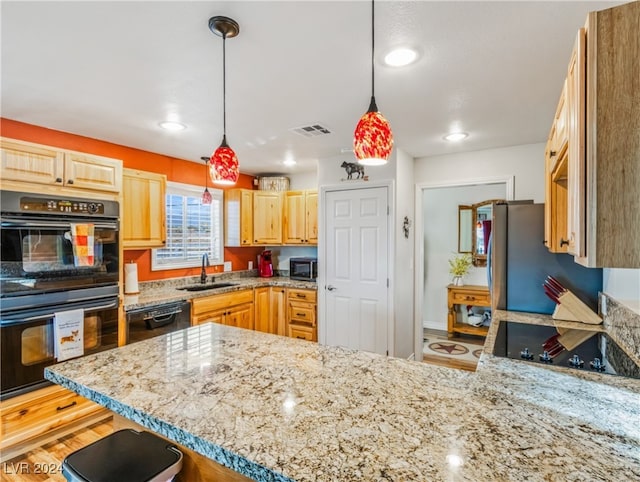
<point x="313" y="130"/>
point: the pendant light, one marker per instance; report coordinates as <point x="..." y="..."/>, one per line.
<point x="372" y="139"/>
<point x="206" y="195"/>
<point x="223" y="167"/>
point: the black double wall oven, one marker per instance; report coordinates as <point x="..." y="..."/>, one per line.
<point x="42" y="273"/>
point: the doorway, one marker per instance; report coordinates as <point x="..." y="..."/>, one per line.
<point x="436" y="241"/>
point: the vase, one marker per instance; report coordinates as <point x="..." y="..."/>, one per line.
<point x="457" y="281"/>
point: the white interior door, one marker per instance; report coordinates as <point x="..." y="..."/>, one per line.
<point x="356" y="277"/>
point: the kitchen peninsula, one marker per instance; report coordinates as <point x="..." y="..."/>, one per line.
<point x="275" y="408"/>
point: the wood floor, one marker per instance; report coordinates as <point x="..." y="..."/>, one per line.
<point x="44" y="464"/>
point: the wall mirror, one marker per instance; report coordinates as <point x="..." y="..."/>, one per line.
<point x="474" y="229"/>
<point x="465" y="223"/>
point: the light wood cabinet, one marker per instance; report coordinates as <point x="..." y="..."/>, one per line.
<point x="300" y="217"/>
<point x="267" y="217"/>
<point x="603" y="173"/>
<point x="32" y="419"/>
<point x="270" y="310"/>
<point x="36" y="164"/>
<point x="301" y="314"/>
<point x="238" y="215"/>
<point x="233" y="309"/>
<point x="467" y="295"/>
<point x="143" y="218"/>
<point x="555" y="227"/>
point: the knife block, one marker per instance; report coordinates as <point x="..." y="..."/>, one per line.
<point x="571" y="308"/>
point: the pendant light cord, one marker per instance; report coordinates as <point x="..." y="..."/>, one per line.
<point x="372" y="49"/>
<point x="224" y="86"/>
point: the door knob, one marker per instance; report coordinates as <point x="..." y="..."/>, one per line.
<point x="331" y="288"/>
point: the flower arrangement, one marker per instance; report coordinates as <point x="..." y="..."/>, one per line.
<point x="459" y="265"/>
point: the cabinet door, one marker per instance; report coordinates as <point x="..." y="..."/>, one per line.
<point x="92" y="172"/>
<point x="240" y="316"/>
<point x="294" y="217"/>
<point x="312" y="217"/>
<point x="576" y="83"/>
<point x="143" y="219"/>
<point x="267" y="217"/>
<point x="238" y="217"/>
<point x="262" y="310"/>
<point x="31" y="163"/>
<point x="278" y="310"/>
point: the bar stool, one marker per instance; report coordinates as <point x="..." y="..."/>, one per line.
<point x="124" y="456"/>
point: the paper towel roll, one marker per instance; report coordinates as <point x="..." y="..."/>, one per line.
<point x="131" y="279"/>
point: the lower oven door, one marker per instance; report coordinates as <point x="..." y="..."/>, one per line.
<point x="27" y="343"/>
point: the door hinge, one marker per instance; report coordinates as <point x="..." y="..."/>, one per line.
<point x="387" y="282"/>
<point x="387" y="352"/>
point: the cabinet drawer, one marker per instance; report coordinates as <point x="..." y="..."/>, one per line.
<point x="471" y="298"/>
<point x="302" y="332"/>
<point x="302" y="312"/>
<point x="28" y="416"/>
<point x="302" y="295"/>
<point x="220" y="302"/>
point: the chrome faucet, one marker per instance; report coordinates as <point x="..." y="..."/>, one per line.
<point x="203" y="273"/>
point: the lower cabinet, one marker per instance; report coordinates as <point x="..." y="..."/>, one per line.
<point x="233" y="309"/>
<point x="269" y="306"/>
<point x="270" y="309"/>
<point x="33" y="419"/>
<point x="301" y="314"/>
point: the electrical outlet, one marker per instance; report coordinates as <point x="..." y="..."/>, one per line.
<point x="227" y="265"/>
<point x="603" y="304"/>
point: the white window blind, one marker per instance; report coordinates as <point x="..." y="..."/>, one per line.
<point x="193" y="228"/>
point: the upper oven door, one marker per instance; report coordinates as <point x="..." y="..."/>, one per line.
<point x="41" y="253"/>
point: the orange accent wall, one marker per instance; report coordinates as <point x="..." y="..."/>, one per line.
<point x="178" y="170"/>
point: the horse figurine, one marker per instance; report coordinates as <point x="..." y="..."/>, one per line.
<point x="352" y="167"/>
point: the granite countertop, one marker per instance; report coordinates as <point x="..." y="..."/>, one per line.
<point x="276" y="408"/>
<point x="165" y="291"/>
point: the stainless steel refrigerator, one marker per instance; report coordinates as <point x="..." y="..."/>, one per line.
<point x="519" y="262"/>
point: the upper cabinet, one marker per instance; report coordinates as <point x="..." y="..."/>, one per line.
<point x="143" y="218"/>
<point x="601" y="178"/>
<point x="36" y="164"/>
<point x="267" y="217"/>
<point x="259" y="218"/>
<point x="300" y="217"/>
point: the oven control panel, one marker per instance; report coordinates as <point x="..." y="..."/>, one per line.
<point x="44" y="205"/>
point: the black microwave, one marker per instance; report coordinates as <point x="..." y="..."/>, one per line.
<point x="303" y="269"/>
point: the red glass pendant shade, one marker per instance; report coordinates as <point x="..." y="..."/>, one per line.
<point x="372" y="139"/>
<point x="223" y="167"/>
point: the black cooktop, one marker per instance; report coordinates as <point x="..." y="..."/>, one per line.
<point x="537" y="344"/>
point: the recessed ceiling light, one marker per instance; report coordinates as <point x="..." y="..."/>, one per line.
<point x="400" y="57"/>
<point x="455" y="136"/>
<point x="289" y="162"/>
<point x="172" y="126"/>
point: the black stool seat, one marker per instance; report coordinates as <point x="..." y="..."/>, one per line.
<point x="124" y="456"/>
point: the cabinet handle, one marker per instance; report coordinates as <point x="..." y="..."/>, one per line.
<point x="23" y="412"/>
<point x="58" y="179"/>
<point x="470" y="298"/>
<point x="552" y="153"/>
<point x="300" y="314"/>
<point x="60" y="409"/>
<point x="70" y="181"/>
<point x="563" y="242"/>
<point x="301" y="295"/>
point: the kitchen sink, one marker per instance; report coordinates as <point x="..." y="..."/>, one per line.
<point x="205" y="287"/>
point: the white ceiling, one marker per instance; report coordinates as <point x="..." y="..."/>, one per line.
<point x="114" y="70"/>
